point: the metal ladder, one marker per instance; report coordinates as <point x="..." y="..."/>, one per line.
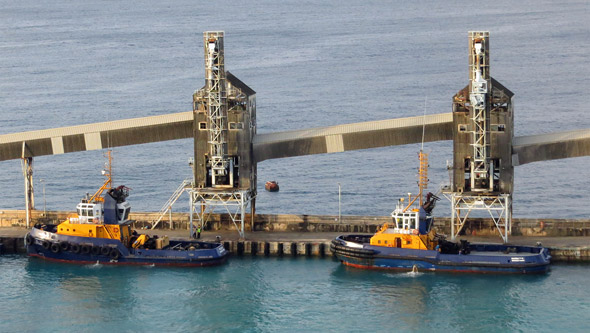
<point x="168" y="205"/>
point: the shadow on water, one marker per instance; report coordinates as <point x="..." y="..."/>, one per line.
<point x="138" y="297"/>
<point x="427" y="300"/>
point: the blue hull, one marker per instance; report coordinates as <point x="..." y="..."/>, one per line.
<point x="86" y="250"/>
<point x="483" y="258"/>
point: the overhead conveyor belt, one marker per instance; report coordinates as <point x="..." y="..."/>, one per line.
<point x="339" y="138"/>
<point x="551" y="146"/>
<point x="97" y="136"/>
<point x="372" y="134"/>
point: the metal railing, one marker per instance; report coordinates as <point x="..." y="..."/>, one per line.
<point x="173" y="198"/>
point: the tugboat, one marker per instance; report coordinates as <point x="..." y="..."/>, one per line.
<point x="100" y="232"/>
<point x="271" y="186"/>
<point x="410" y="243"/>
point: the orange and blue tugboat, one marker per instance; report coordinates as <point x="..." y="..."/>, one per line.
<point x="410" y="243"/>
<point x="101" y="233"/>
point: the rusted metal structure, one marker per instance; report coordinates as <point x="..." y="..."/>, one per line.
<point x="224" y="127"/>
<point x="483" y="125"/>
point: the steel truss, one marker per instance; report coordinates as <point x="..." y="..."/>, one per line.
<point x="479" y="100"/>
<point x="498" y="206"/>
<point x="216" y="104"/>
<point x="204" y="201"/>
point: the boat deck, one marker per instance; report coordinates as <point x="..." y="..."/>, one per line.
<point x="503" y="254"/>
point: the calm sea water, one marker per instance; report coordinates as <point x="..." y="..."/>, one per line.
<point x="312" y="64"/>
<point x="262" y="294"/>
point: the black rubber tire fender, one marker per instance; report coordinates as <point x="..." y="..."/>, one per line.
<point x="85" y="249"/>
<point x="55" y="248"/>
<point x="105" y="250"/>
<point x="114" y="254"/>
<point x="46" y="245"/>
<point x="96" y="250"/>
<point x="64" y="246"/>
<point x="29" y="240"/>
<point x="75" y="248"/>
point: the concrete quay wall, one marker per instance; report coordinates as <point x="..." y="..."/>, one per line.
<point x="321" y="223"/>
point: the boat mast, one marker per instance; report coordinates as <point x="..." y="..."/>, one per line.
<point x="108" y="184"/>
<point x="422" y="170"/>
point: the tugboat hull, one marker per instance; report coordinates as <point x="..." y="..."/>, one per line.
<point x="87" y="250"/>
<point x="483" y="258"/>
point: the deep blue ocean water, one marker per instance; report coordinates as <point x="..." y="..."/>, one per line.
<point x="284" y="294"/>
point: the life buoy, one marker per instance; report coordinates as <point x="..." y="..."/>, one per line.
<point x="96" y="250"/>
<point x="75" y="248"/>
<point x="105" y="250"/>
<point x="29" y="240"/>
<point x="415" y="231"/>
<point x="114" y="254"/>
<point x="96" y="220"/>
<point x="55" y="248"/>
<point x="46" y="245"/>
<point x="64" y="246"/>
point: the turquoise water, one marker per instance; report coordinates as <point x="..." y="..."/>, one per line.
<point x="283" y="294"/>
